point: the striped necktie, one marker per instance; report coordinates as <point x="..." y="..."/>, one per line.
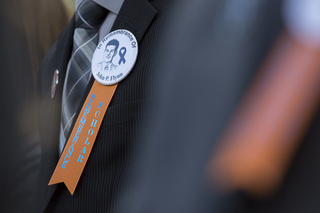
<point x="89" y="17"/>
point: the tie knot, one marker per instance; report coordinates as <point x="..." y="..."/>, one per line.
<point x="89" y="15"/>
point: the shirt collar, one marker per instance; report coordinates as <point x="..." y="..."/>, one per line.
<point x="111" y="5"/>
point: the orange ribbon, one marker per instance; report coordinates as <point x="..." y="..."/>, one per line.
<point x="78" y="148"/>
<point x="256" y="148"/>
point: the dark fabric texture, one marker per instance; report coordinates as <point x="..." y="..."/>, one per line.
<point x="214" y="54"/>
<point x="217" y="49"/>
<point x="108" y="171"/>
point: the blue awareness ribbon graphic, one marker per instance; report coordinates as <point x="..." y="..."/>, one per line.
<point x="122" y="53"/>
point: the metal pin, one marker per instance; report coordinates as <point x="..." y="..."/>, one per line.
<point x="55" y="81"/>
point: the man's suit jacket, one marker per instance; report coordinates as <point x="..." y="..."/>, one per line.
<point x="213" y="59"/>
<point x="108" y="170"/>
<point x="206" y="84"/>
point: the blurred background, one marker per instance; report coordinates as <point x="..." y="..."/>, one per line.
<point x="70" y="5"/>
<point x="28" y="30"/>
<point x="243" y="138"/>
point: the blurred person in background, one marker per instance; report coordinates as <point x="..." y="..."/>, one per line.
<point x="239" y="49"/>
<point x="28" y="29"/>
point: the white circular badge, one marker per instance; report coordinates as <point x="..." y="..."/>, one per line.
<point x="114" y="57"/>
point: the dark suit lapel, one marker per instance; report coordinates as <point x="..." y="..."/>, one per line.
<point x="135" y="16"/>
<point x="50" y="108"/>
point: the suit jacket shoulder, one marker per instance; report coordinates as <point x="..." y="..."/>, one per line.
<point x="49" y="109"/>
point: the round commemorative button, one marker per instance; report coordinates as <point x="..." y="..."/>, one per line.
<point x="114" y="57"/>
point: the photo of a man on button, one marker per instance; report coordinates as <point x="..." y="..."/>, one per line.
<point x="108" y="55"/>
